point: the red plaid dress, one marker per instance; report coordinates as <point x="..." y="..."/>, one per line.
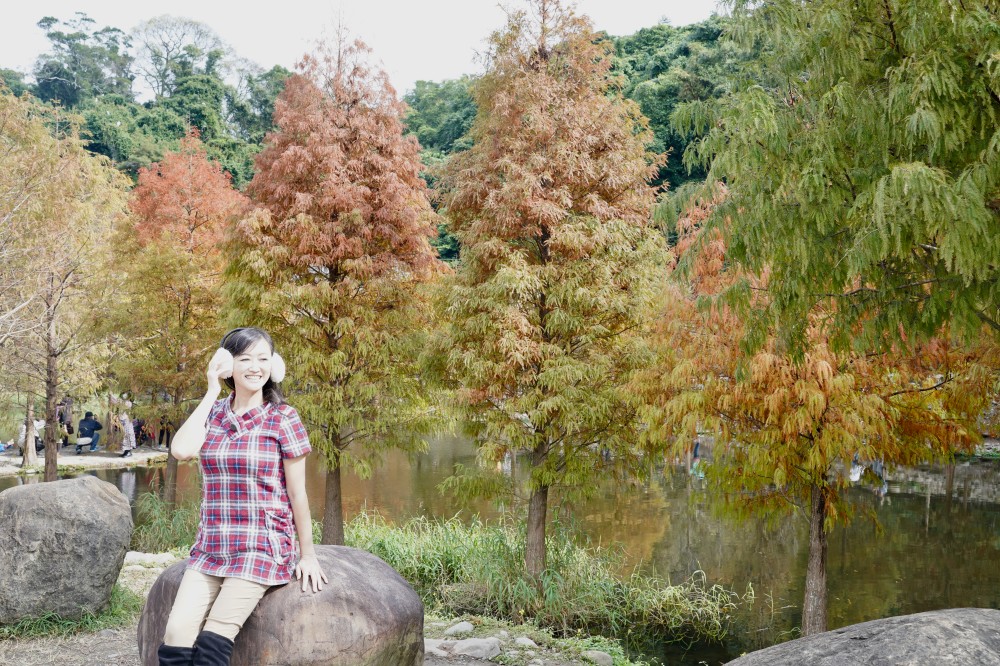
<point x="246" y="529"/>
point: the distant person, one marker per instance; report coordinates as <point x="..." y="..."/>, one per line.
<point x="128" y="431"/>
<point x="165" y="434"/>
<point x="87" y="428"/>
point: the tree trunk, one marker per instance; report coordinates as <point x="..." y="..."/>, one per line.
<point x="51" y="386"/>
<point x="170" y="477"/>
<point x="814" y="605"/>
<point x="30" y="456"/>
<point x="333" y="512"/>
<point x="534" y="551"/>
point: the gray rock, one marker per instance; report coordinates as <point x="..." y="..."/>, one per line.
<point x="524" y="641"/>
<point x="598" y="657"/>
<point x="437" y="648"/>
<point x="367" y="615"/>
<point x="954" y="636"/>
<point x="62" y="545"/>
<point x="460" y="628"/>
<point x="478" y="648"/>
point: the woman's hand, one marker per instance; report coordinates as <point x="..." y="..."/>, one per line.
<point x="219" y="367"/>
<point x="307" y="570"/>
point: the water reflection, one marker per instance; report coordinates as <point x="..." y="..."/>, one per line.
<point x="935" y="544"/>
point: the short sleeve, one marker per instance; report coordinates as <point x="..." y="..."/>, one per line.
<point x="213" y="413"/>
<point x="293" y="439"/>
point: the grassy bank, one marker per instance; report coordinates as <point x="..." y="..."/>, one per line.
<point x="476" y="568"/>
<point x="124" y="608"/>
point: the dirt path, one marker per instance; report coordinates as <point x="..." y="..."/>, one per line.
<point x="10" y="461"/>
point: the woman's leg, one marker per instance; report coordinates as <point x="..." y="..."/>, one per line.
<point x="233" y="606"/>
<point x="236" y="600"/>
<point x="194" y="597"/>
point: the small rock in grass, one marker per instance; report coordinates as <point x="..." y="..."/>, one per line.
<point x="460" y="628"/>
<point x="438" y="648"/>
<point x="599" y="658"/>
<point x="503" y="634"/>
<point x="478" y="648"/>
<point x="524" y="641"/>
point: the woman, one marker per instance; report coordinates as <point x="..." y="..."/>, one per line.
<point x="252" y="448"/>
<point x="128" y="432"/>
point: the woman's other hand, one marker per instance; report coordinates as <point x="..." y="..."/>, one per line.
<point x="310" y="573"/>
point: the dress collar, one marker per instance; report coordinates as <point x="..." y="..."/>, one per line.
<point x="249" y="419"/>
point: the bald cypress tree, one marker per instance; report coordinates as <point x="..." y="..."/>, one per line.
<point x="551" y="206"/>
<point x="331" y="259"/>
<point x="863" y="165"/>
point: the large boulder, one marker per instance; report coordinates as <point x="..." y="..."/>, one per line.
<point x="62" y="545"/>
<point x="953" y="636"/>
<point x="367" y="615"/>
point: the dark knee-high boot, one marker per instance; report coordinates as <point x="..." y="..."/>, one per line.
<point x="171" y="655"/>
<point x="211" y="649"/>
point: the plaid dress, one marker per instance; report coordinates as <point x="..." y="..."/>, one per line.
<point x="246" y="528"/>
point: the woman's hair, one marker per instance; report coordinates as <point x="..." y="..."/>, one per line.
<point x="238" y="341"/>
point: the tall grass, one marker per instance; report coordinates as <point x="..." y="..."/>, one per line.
<point x="160" y="529"/>
<point x="124" y="607"/>
<point x="478" y="568"/>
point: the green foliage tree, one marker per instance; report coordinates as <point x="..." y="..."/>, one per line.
<point x="13" y="81"/>
<point x="665" y="66"/>
<point x="863" y="160"/>
<point x="440" y="114"/>
<point x="84" y="62"/>
<point x="550" y="205"/>
<point x="331" y="261"/>
<point x="251" y="105"/>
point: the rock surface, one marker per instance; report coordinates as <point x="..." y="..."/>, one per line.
<point x="953" y="636"/>
<point x="367" y="615"/>
<point x="62" y="545"/>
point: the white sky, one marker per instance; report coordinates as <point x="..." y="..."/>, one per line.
<point x="415" y="39"/>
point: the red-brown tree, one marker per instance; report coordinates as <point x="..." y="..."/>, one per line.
<point x="331" y="260"/>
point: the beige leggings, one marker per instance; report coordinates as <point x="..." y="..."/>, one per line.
<point x="231" y="601"/>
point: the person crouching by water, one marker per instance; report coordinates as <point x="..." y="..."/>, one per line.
<point x="252" y="448"/>
<point x="87" y="428"/>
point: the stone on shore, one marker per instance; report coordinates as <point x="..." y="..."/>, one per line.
<point x="367" y="615"/>
<point x="62" y="545"/>
<point x="952" y="636"/>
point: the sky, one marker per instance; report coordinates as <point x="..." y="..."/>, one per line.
<point x="414" y="39"/>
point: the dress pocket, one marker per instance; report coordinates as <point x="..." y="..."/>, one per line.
<point x="279" y="527"/>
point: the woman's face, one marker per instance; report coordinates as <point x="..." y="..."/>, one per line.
<point x="252" y="368"/>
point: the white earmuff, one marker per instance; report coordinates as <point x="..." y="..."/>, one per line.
<point x="225" y="361"/>
<point x="277" y="368"/>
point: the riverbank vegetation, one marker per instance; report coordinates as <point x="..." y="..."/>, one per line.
<point x="808" y="276"/>
<point x="472" y="567"/>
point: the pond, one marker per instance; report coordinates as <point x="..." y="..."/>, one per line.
<point x="930" y="548"/>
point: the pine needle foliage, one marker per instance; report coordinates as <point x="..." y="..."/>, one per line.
<point x="550" y="206"/>
<point x="786" y="426"/>
<point x="863" y="161"/>
<point x="331" y="260"/>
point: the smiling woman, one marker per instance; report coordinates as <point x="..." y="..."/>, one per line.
<point x="252" y="448"/>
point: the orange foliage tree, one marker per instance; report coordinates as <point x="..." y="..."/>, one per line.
<point x="331" y="260"/>
<point x="784" y="425"/>
<point x="551" y="205"/>
<point x="171" y="264"/>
